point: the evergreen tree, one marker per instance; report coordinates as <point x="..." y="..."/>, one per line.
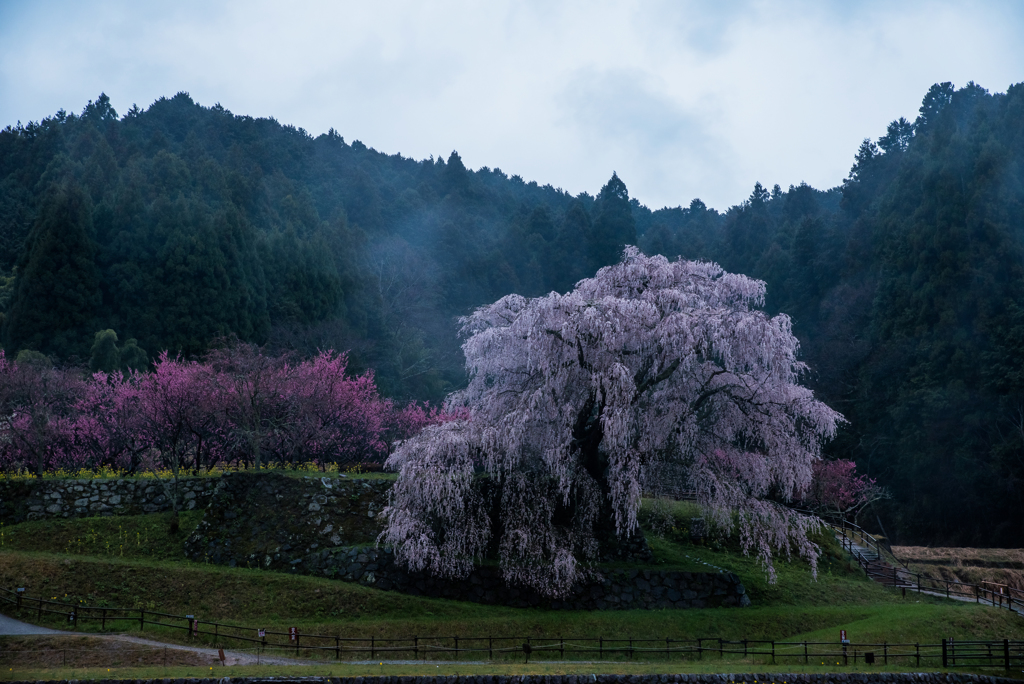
<point x="56" y="290"/>
<point x="133" y="357"/>
<point x="571" y="260"/>
<point x="104" y="357"/>
<point x="614" y="226"/>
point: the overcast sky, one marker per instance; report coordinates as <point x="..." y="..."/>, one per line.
<point x="682" y="99"/>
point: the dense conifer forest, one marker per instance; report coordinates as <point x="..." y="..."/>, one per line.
<point x="180" y="224"/>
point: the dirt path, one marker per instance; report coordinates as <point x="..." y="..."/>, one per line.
<point x="11" y="627"/>
<point x="230" y="657"/>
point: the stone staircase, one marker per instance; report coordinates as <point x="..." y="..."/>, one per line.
<point x="875" y="564"/>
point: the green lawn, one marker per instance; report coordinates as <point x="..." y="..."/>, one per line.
<point x="134" y="562"/>
<point x="746" y="672"/>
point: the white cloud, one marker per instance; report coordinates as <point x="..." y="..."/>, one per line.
<point x="682" y="99"/>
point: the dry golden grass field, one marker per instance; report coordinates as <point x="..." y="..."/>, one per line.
<point x="964" y="564"/>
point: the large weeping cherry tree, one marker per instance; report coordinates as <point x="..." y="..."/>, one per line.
<point x="573" y="399"/>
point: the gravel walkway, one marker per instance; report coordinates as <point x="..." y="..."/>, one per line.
<point x="11" y="627"/>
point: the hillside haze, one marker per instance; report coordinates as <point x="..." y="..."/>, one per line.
<point x="180" y="224"/>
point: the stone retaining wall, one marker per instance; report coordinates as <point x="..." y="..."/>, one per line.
<point x="739" y="678"/>
<point x="613" y="590"/>
<point x="22" y="500"/>
<point x="271" y="521"/>
<point x="326" y="526"/>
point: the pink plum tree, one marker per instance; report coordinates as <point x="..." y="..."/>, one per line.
<point x="37" y="431"/>
<point x="252" y="407"/>
<point x="571" y="398"/>
<point x="338" y="418"/>
<point x="109" y="425"/>
<point x="836" y="490"/>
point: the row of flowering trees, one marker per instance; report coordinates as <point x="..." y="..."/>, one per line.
<point x="237" y="407"/>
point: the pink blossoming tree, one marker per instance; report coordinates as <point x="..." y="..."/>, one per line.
<point x="237" y="407"/>
<point x="836" y="490"/>
<point x="571" y="398"/>
<point x="37" y="432"/>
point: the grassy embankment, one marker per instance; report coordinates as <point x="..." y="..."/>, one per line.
<point x="134" y="562"/>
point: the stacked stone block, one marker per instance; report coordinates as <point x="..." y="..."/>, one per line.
<point x="22" y="500"/>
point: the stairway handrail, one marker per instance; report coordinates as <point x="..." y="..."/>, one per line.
<point x="844" y="524"/>
<point x="846" y="529"/>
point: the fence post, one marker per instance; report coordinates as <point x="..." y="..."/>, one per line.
<point x="667" y="656"/>
<point x="885" y="647"/>
<point x="1006" y="653"/>
<point x="917" y="650"/>
<point x="490" y="648"/>
<point x="773" y="651"/>
<point x="945" y="656"/>
<point x="600" y="647"/>
<point x="416" y="646"/>
<point x="373" y="649"/>
<point x="103" y="619"/>
<point x="561" y="647"/>
<point x="456" y="648"/>
<point x="805" y="653"/>
<point x="142" y="619"/>
<point x="337" y="648"/>
<point x="700" y="649"/>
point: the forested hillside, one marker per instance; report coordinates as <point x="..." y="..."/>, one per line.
<point x="182" y="223"/>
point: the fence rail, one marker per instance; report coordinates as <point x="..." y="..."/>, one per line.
<point x="948" y="654"/>
<point x="873" y="557"/>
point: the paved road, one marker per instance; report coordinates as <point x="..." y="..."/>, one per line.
<point x="11" y="627"/>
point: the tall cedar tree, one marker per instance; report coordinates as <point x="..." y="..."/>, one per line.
<point x="57" y="287"/>
<point x="614" y="226"/>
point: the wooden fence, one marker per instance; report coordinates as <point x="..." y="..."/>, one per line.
<point x="948" y="654"/>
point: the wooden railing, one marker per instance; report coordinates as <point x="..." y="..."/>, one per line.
<point x="899" y="576"/>
<point x="1003" y="653"/>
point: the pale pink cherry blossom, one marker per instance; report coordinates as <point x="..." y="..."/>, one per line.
<point x="573" y="398"/>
